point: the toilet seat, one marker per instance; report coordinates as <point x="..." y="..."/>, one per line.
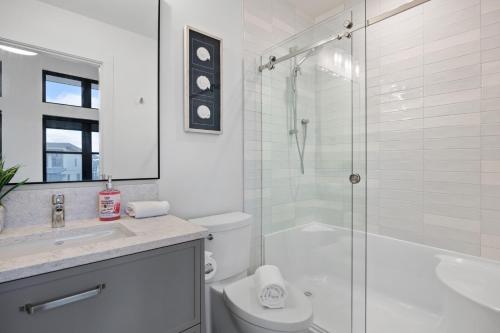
<point x="241" y="298"/>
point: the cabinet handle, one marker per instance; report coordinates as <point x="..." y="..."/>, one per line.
<point x="55" y="303"/>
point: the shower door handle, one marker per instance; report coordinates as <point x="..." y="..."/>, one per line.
<point x="354" y="178"/>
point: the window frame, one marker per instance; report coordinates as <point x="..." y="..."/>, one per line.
<point x="86" y="88"/>
<point x="86" y="153"/>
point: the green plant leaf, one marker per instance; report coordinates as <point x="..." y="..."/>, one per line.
<point x="6" y="176"/>
<point x="12" y="189"/>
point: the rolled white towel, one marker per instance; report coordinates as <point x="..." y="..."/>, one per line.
<point x="270" y="286"/>
<point x="143" y="209"/>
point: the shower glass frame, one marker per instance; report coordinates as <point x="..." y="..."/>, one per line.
<point x="275" y="154"/>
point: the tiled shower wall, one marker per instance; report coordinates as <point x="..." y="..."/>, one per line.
<point x="434" y="125"/>
<point x="289" y="195"/>
<point x="433" y="122"/>
<point x="334" y="104"/>
<point x="276" y="194"/>
<point x="266" y="23"/>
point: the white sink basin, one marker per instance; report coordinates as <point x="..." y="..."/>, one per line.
<point x="57" y="239"/>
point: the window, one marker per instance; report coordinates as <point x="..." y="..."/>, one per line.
<point x="70" y="149"/>
<point x="95" y="98"/>
<point x="71" y="90"/>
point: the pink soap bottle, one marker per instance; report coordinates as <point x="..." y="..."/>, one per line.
<point x="109" y="203"/>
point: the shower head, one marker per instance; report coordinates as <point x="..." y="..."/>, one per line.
<point x="305" y="121"/>
<point x="297" y="69"/>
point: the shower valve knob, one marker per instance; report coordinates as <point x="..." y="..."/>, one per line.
<point x="355" y="178"/>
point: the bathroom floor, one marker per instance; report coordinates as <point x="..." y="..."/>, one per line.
<point x="384" y="314"/>
<point x="329" y="303"/>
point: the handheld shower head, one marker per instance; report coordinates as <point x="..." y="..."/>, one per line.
<point x="296" y="70"/>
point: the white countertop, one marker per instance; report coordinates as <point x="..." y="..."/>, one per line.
<point x="151" y="233"/>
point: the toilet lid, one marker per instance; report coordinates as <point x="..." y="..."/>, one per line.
<point x="241" y="299"/>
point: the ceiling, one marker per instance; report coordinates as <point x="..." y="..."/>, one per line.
<point x="139" y="16"/>
<point x="316" y="8"/>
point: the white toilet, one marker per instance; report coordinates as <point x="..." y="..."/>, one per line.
<point x="230" y="297"/>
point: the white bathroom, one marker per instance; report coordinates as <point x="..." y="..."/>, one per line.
<point x="249" y="166"/>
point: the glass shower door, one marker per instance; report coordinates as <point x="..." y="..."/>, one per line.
<point x="310" y="103"/>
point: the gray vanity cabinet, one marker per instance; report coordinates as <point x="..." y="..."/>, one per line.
<point x="158" y="291"/>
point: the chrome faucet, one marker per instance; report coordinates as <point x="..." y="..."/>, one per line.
<point x="58" y="211"/>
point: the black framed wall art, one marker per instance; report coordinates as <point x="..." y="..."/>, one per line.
<point x="202" y="82"/>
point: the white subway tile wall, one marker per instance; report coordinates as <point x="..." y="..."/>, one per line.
<point x="434" y="125"/>
<point x="266" y="23"/>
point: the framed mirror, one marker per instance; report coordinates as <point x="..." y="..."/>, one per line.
<point x="79" y="89"/>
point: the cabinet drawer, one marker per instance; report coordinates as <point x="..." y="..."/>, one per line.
<point x="153" y="291"/>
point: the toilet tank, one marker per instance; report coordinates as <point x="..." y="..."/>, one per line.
<point x="229" y="241"/>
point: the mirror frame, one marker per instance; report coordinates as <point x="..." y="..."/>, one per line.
<point x="158" y="123"/>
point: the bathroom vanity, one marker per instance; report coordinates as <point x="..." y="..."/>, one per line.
<point x="147" y="277"/>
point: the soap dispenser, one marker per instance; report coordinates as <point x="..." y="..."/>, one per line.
<point x="109" y="203"/>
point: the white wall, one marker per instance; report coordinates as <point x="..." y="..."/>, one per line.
<point x="201" y="174"/>
<point x="128" y="72"/>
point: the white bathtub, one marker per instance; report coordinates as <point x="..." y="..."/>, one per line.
<point x="411" y="288"/>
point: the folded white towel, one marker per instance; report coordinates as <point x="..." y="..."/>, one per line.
<point x="142" y="209"/>
<point x="270" y="286"/>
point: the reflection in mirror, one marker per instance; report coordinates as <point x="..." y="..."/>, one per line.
<point x="71" y="149"/>
<point x="66" y="114"/>
<point x="79" y="89"/>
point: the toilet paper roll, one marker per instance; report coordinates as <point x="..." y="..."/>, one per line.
<point x="210" y="266"/>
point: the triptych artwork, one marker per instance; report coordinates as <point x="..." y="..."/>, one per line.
<point x="203" y="82"/>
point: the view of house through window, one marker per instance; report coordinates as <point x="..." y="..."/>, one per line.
<point x="71" y="149"/>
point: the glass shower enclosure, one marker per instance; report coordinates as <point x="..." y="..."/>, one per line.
<point x="402" y="105"/>
<point x="313" y="167"/>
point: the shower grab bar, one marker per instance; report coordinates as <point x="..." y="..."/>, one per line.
<point x="346" y="34"/>
<point x="273" y="60"/>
